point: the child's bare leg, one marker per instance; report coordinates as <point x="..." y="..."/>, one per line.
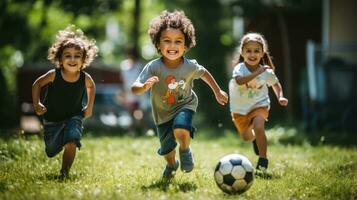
<point x="248" y="135"/>
<point x="183" y="137"/>
<point x="261" y="140"/>
<point x="186" y="158"/>
<point x="172" y="165"/>
<point x="259" y="130"/>
<point x="170" y="158"/>
<point x="68" y="157"/>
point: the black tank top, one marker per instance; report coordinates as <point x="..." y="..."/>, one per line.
<point x="64" y="99"/>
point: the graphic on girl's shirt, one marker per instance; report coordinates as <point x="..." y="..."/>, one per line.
<point x="251" y="88"/>
<point x="175" y="90"/>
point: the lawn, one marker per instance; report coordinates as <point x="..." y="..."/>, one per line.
<point x="123" y="167"/>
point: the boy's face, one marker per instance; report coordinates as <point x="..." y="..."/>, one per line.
<point x="252" y="53"/>
<point x="72" y="59"/>
<point x="172" y="44"/>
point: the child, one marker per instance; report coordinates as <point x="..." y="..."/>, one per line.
<point x="62" y="108"/>
<point x="249" y="102"/>
<point x="170" y="80"/>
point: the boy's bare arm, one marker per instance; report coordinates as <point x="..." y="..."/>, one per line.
<point x="139" y="88"/>
<point x="221" y="96"/>
<point x="43" y="80"/>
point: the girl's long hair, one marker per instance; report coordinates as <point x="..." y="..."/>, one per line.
<point x="254" y="37"/>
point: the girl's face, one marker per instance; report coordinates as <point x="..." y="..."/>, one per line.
<point x="72" y="59"/>
<point x="252" y="53"/>
<point x="172" y="45"/>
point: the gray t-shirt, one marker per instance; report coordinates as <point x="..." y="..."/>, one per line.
<point x="174" y="91"/>
<point x="244" y="98"/>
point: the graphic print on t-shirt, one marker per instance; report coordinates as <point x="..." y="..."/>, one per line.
<point x="251" y="88"/>
<point x="175" y="90"/>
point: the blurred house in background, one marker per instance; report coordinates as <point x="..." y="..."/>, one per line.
<point x="314" y="48"/>
<point x="330" y="98"/>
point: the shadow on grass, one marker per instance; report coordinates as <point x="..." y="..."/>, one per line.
<point x="3" y="186"/>
<point x="337" y="138"/>
<point x="58" y="178"/>
<point x="165" y="185"/>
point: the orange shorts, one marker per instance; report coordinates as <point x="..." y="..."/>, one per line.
<point x="242" y="122"/>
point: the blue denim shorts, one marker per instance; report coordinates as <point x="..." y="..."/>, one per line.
<point x="57" y="134"/>
<point x="183" y="120"/>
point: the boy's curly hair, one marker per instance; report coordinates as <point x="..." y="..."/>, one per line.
<point x="72" y="37"/>
<point x="176" y="20"/>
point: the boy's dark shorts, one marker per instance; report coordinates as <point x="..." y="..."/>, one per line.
<point x="183" y="120"/>
<point x="57" y="134"/>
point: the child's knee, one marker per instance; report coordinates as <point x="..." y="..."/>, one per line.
<point x="247" y="136"/>
<point x="259" y="128"/>
<point x="70" y="145"/>
<point x="258" y="123"/>
<point x="181" y="134"/>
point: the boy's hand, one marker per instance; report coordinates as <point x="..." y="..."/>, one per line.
<point x="150" y="82"/>
<point x="222" y="97"/>
<point x="40" y="109"/>
<point x="283" y="101"/>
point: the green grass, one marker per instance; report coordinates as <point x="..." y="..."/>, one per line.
<point x="111" y="167"/>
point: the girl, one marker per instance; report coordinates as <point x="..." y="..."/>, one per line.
<point x="170" y="80"/>
<point x="248" y="88"/>
<point x="62" y="108"/>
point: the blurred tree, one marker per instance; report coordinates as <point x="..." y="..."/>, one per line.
<point x="7" y="107"/>
<point x="135" y="27"/>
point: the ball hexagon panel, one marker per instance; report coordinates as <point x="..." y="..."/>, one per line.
<point x="238" y="172"/>
<point x="218" y="177"/>
<point x="225" y="168"/>
<point x="239" y="185"/>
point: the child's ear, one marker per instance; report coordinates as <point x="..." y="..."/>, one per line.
<point x="158" y="49"/>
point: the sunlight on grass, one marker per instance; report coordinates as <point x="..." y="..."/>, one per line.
<point x="112" y="167"/>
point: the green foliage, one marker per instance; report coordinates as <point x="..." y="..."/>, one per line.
<point x="112" y="167"/>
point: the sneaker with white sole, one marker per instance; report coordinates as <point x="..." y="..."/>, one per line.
<point x="170" y="171"/>
<point x="186" y="159"/>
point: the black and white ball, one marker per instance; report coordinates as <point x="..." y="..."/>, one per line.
<point x="234" y="174"/>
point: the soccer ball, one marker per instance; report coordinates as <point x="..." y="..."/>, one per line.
<point x="234" y="174"/>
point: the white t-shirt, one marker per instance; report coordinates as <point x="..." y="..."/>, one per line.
<point x="244" y="98"/>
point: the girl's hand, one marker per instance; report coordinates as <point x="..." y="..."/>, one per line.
<point x="221" y="97"/>
<point x="150" y="82"/>
<point x="263" y="69"/>
<point x="40" y="109"/>
<point x="283" y="101"/>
